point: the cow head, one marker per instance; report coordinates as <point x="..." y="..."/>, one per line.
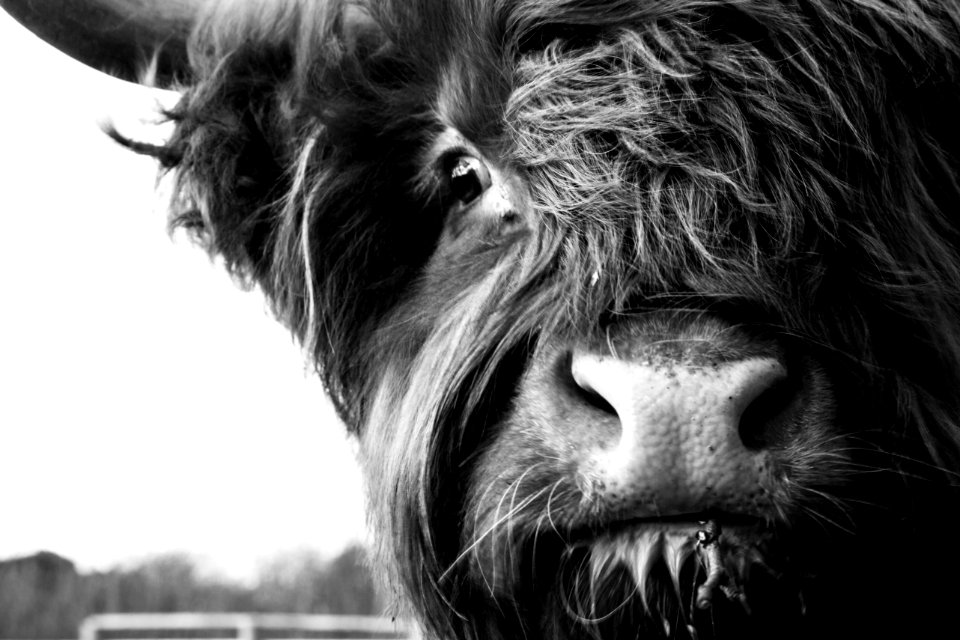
<point x="644" y="313"/>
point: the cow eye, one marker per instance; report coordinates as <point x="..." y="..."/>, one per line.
<point x="468" y="178"/>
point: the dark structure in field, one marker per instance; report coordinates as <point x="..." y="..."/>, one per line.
<point x="645" y="312"/>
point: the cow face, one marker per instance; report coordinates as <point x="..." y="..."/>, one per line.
<point x="644" y="381"/>
<point x="643" y="313"/>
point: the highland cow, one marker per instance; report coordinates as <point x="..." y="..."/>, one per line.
<point x="646" y="313"/>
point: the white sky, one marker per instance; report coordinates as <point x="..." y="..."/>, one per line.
<point x="147" y="404"/>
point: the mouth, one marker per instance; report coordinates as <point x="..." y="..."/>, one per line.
<point x="691" y="520"/>
<point x="693" y="573"/>
<point x="681" y="524"/>
<point x="700" y="549"/>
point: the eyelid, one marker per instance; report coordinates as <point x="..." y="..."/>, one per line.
<point x="445" y="162"/>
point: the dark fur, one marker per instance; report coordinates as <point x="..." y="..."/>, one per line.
<point x="786" y="168"/>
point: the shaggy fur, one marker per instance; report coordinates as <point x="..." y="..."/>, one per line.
<point x="779" y="175"/>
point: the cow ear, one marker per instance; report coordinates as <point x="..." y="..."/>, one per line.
<point x="262" y="76"/>
<point x="229" y="158"/>
<point x="233" y="146"/>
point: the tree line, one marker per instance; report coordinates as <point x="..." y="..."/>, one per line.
<point x="43" y="596"/>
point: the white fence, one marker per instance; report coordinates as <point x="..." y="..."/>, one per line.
<point x="239" y="626"/>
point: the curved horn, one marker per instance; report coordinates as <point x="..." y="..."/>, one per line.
<point x="120" y="37"/>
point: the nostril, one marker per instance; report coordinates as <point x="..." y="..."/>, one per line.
<point x="595" y="400"/>
<point x="584" y="390"/>
<point x="768" y="415"/>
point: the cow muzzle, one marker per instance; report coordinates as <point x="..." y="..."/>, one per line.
<point x="671" y="419"/>
<point x="685" y="431"/>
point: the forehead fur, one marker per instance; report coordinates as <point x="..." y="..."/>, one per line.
<point x="723" y="148"/>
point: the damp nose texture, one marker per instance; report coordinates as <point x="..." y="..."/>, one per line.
<point x="679" y="449"/>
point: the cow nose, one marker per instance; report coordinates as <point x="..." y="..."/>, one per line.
<point x="693" y="436"/>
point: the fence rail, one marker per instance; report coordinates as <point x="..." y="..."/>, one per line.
<point x="239" y="626"/>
